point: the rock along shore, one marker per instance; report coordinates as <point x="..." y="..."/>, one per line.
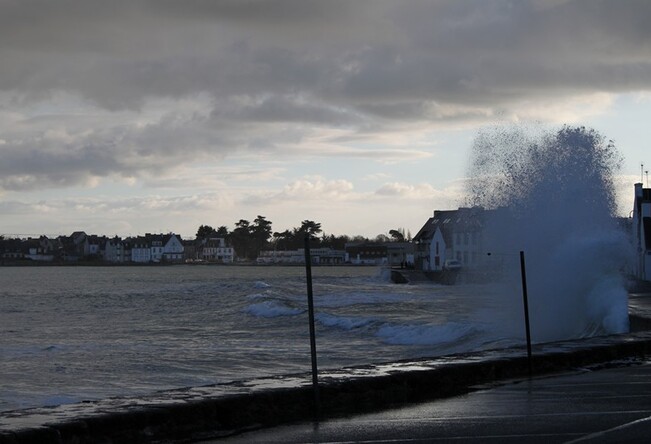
<point x="186" y="415"/>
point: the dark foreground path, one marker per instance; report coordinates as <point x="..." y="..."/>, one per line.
<point x="607" y="405"/>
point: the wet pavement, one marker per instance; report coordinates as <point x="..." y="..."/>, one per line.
<point x="588" y="404"/>
<point x="599" y="405"/>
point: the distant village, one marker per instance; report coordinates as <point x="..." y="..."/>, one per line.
<point x="448" y="239"/>
<point x="88" y="249"/>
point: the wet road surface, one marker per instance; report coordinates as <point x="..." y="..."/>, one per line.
<point x="594" y="406"/>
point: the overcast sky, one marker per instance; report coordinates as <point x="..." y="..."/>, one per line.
<point x="133" y="116"/>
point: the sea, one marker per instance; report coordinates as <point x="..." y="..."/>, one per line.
<point x="70" y="334"/>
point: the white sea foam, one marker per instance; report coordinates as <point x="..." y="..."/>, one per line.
<point x="426" y="334"/>
<point x="261" y="284"/>
<point x="272" y="309"/>
<point x="343" y="322"/>
<point x="256" y="296"/>
<point x="349" y="298"/>
<point x="383" y="274"/>
<point x="553" y="198"/>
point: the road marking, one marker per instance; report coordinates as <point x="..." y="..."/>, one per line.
<point x="614" y="429"/>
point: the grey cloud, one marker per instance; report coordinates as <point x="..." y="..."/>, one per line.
<point x="119" y="53"/>
<point x="32" y="167"/>
<point x="74" y="156"/>
<point x="256" y="11"/>
<point x="56" y="151"/>
<point x="275" y="68"/>
<point x="286" y="108"/>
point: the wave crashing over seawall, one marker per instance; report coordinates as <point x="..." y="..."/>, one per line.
<point x="551" y="195"/>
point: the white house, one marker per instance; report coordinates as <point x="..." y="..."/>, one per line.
<point x="140" y="250"/>
<point x="216" y="250"/>
<point x="450" y="235"/>
<point x="172" y="248"/>
<point x="155" y="248"/>
<point x="112" y="249"/>
<point x="118" y="250"/>
<point x="155" y="242"/>
<point x="642" y="231"/>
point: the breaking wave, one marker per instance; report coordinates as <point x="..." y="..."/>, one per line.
<point x="551" y="195"/>
<point x="426" y="334"/>
<point x="343" y="322"/>
<point x="273" y="309"/>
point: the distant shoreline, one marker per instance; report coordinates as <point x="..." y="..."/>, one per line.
<point x="28" y="263"/>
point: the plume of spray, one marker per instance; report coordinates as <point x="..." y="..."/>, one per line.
<point x="550" y="194"/>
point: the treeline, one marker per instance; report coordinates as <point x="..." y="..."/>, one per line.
<point x="249" y="238"/>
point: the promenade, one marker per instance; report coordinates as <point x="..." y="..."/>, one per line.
<point x="587" y="405"/>
<point x="595" y="389"/>
<point x="606" y="403"/>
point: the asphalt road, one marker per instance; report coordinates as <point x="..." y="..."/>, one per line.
<point x="593" y="406"/>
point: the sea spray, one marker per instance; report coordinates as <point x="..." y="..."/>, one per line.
<point x="551" y="195"/>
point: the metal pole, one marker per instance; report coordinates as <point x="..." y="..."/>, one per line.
<point x="310" y="309"/>
<point x="526" y="307"/>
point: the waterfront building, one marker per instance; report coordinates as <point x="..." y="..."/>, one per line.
<point x="319" y="256"/>
<point x="173" y="250"/>
<point x="400" y="254"/>
<point x="642" y="231"/>
<point x="214" y="249"/>
<point x="140" y="250"/>
<point x="450" y="235"/>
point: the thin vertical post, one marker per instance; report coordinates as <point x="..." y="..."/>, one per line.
<point x="310" y="309"/>
<point x="526" y="307"/>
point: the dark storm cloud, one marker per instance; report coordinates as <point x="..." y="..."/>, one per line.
<point x="452" y="51"/>
<point x="274" y="68"/>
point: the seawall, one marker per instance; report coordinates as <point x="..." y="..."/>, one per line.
<point x="197" y="413"/>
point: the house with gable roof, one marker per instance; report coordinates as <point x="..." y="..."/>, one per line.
<point x="112" y="248"/>
<point x="173" y="250"/>
<point x="450" y="235"/>
<point x="642" y="231"/>
<point x="95" y="246"/>
<point x="151" y="248"/>
<point x="156" y="245"/>
<point x="117" y="250"/>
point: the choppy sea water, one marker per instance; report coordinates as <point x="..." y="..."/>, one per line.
<point x="69" y="334"/>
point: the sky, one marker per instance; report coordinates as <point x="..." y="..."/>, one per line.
<point x="133" y="116"/>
